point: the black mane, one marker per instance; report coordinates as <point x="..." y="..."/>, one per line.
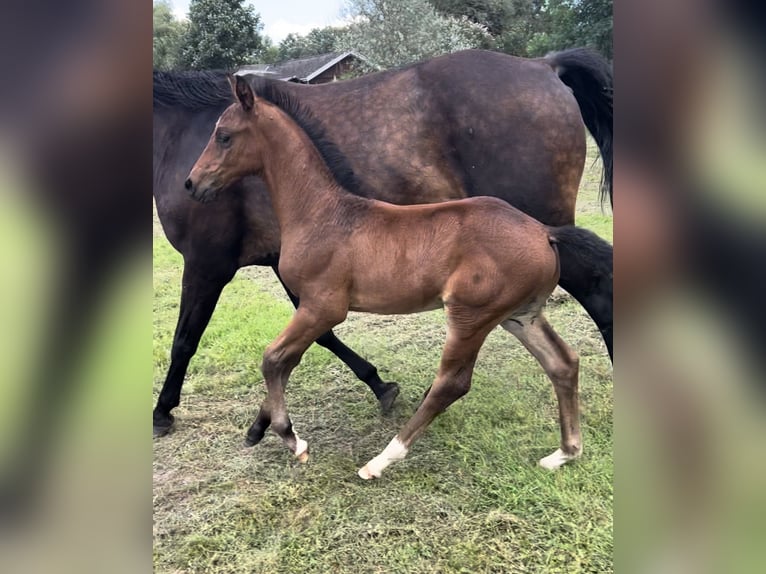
<point x="272" y="91"/>
<point x="204" y="89"/>
<point x="191" y="90"/>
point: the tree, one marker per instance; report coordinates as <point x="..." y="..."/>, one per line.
<point x="535" y="27"/>
<point x="493" y="14"/>
<point x="269" y="54"/>
<point x="222" y="34"/>
<point x="167" y="38"/>
<point x="594" y="25"/>
<point x="556" y="29"/>
<point x="391" y="33"/>
<point x="317" y="41"/>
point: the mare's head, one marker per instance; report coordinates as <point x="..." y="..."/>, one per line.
<point x="231" y="152"/>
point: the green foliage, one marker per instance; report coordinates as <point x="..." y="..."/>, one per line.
<point x="317" y="41"/>
<point x="556" y="29"/>
<point x="594" y="25"/>
<point x="168" y="34"/>
<point x="494" y="14"/>
<point x="269" y="53"/>
<point x="394" y="33"/>
<point x="223" y="34"/>
<point x="535" y="27"/>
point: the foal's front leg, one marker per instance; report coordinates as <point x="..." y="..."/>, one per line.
<point x="364" y="371"/>
<point x="279" y="359"/>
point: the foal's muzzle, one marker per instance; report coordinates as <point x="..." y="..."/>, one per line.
<point x="202" y="193"/>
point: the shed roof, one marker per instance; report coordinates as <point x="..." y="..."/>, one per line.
<point x="303" y="70"/>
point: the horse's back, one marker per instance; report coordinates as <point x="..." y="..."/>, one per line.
<point x="514" y="128"/>
<point x="463" y="124"/>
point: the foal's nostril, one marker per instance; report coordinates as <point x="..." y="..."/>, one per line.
<point x="188" y="183"/>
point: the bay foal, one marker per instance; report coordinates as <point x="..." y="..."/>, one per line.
<point x="485" y="262"/>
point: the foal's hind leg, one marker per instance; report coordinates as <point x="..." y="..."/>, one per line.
<point x="561" y="365"/>
<point x="452" y="382"/>
<point x="279" y="359"/>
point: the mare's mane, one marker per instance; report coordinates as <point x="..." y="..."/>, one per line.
<point x="191" y="90"/>
<point x="198" y="90"/>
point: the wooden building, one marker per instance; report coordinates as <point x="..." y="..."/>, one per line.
<point x="313" y="70"/>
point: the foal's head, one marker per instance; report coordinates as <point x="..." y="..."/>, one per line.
<point x="231" y="153"/>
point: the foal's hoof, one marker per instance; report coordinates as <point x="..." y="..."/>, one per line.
<point x="387" y="399"/>
<point x="302" y="451"/>
<point x="366" y="474"/>
<point x="557" y="459"/>
<point x="162" y="426"/>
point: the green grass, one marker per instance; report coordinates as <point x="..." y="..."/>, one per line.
<point x="469" y="496"/>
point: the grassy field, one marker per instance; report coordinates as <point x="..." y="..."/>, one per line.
<point x="468" y="498"/>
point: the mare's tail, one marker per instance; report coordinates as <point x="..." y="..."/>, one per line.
<point x="586" y="273"/>
<point x="589" y="76"/>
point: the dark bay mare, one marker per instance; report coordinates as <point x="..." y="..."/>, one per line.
<point x="486" y="262"/>
<point x="469" y="123"/>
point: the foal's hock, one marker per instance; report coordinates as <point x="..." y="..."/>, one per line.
<point x="485" y="262"/>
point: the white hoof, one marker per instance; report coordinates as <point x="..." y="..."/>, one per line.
<point x="365" y="474"/>
<point x="375" y="467"/>
<point x="558" y="458"/>
<point x="301" y="449"/>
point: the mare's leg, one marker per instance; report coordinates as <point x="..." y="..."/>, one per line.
<point x="364" y="371"/>
<point x="200" y="291"/>
<point x="452" y="381"/>
<point x="561" y="364"/>
<point x="279" y="359"/>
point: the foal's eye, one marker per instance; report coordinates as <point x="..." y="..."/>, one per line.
<point x="223" y="138"/>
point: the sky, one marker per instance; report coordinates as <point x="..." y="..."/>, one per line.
<point x="281" y="17"/>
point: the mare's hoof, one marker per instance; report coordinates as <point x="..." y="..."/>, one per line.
<point x="388" y="398"/>
<point x="253" y="438"/>
<point x="162" y="426"/>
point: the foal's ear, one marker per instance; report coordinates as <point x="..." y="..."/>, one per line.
<point x="243" y="92"/>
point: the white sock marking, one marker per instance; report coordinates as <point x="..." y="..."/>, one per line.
<point x="301" y="449"/>
<point x="393" y="452"/>
<point x="558" y="458"/>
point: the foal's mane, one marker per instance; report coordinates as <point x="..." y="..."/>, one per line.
<point x="198" y="90"/>
<point x="272" y="91"/>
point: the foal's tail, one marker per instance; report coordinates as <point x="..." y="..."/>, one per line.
<point x="586" y="273"/>
<point x="589" y="76"/>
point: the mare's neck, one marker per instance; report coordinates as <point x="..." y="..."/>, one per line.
<point x="301" y="185"/>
